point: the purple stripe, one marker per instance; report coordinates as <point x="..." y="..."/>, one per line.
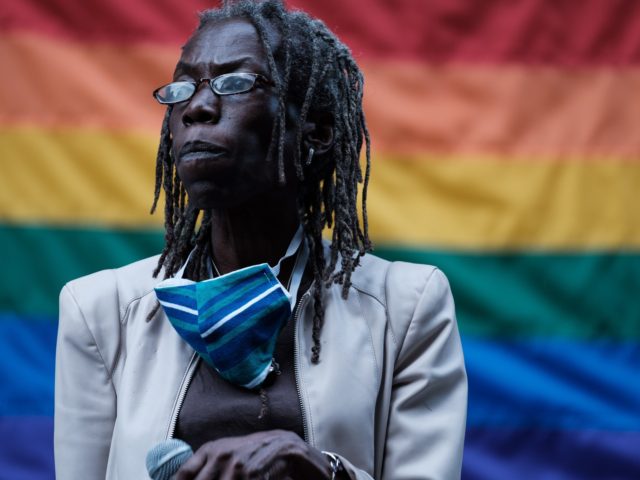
<point x="532" y="453"/>
<point x="26" y="453"/>
<point x="26" y="448"/>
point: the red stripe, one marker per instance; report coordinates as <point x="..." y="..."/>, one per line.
<point x="552" y="32"/>
<point x="115" y="21"/>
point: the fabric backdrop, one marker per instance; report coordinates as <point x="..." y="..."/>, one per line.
<point x="506" y="150"/>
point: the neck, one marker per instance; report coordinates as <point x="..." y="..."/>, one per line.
<point x="257" y="232"/>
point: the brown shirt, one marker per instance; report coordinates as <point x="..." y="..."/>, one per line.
<point x="214" y="408"/>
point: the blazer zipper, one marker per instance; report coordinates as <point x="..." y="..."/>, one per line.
<point x="296" y="363"/>
<point x="182" y="393"/>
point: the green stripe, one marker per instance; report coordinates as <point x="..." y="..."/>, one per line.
<point x="236" y="293"/>
<point x="37" y="261"/>
<point x="515" y="294"/>
<point x="188" y="327"/>
<point x="522" y="294"/>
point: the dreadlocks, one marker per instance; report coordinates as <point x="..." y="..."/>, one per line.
<point x="312" y="69"/>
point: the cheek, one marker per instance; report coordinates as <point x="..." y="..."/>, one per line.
<point x="175" y="123"/>
<point x="257" y="113"/>
<point x="251" y="131"/>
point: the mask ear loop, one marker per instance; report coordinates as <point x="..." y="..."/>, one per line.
<point x="298" y="269"/>
<point x="212" y="267"/>
<point x="180" y="273"/>
<point x="293" y="247"/>
<point x="296" y="275"/>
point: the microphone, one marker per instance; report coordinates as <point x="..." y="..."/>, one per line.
<point x="166" y="458"/>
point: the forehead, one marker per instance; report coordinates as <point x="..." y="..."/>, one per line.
<point x="223" y="42"/>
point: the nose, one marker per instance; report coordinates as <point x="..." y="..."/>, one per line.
<point x="203" y="107"/>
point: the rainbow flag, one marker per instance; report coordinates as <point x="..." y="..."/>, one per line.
<point x="506" y="150"/>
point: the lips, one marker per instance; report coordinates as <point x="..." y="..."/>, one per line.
<point x="204" y="163"/>
<point x="199" y="149"/>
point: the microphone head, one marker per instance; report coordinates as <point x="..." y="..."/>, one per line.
<point x="166" y="458"/>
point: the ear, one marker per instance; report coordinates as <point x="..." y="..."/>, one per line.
<point x="317" y="133"/>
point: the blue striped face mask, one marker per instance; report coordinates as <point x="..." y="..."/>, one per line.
<point x="233" y="320"/>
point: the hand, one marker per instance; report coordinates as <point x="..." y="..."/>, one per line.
<point x="272" y="454"/>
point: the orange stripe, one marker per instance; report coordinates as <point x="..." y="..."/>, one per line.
<point x="54" y="83"/>
<point x="509" y="111"/>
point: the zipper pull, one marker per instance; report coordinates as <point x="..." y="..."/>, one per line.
<point x="274" y="367"/>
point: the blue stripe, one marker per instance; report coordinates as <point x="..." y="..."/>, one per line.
<point x="553" y="383"/>
<point x="184" y="326"/>
<point x="269" y="303"/>
<point x="546" y="382"/>
<point x="28" y="365"/>
<point x="236" y="321"/>
<point x="181" y="315"/>
<point x="242" y="345"/>
<point x="177" y="298"/>
<point x="32" y="319"/>
<point x="227" y="302"/>
<point x="226" y="333"/>
<point x="26" y="448"/>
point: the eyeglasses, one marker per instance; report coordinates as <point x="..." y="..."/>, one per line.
<point x="227" y="84"/>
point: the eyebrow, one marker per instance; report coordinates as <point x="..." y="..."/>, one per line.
<point x="183" y="66"/>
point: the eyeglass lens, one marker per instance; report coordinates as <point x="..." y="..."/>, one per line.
<point x="227" y="84"/>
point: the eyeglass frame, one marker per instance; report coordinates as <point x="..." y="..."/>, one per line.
<point x="196" y="84"/>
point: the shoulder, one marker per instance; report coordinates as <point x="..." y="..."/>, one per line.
<point x="107" y="294"/>
<point x="409" y="292"/>
<point x="392" y="281"/>
<point x="124" y="284"/>
<point x="93" y="308"/>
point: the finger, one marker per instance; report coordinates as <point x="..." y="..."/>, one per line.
<point x="215" y="462"/>
<point x="231" y="471"/>
<point x="266" y="463"/>
<point x="191" y="467"/>
<point x="278" y="470"/>
<point x="210" y="471"/>
<point x="273" y="457"/>
<point x="238" y="468"/>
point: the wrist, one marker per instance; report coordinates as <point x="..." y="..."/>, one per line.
<point x="308" y="463"/>
<point x="335" y="465"/>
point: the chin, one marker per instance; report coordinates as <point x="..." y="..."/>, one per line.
<point x="208" y="197"/>
<point x="205" y="196"/>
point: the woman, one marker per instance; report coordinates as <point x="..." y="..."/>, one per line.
<point x="342" y="366"/>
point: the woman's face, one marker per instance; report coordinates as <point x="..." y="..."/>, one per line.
<point x="220" y="143"/>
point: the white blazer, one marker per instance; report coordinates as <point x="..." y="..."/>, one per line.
<point x="389" y="394"/>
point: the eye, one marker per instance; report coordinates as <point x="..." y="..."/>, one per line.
<point x="231" y="83"/>
<point x="175" y="92"/>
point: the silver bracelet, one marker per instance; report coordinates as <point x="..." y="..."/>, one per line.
<point x="336" y="464"/>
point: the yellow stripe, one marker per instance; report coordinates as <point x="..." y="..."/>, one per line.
<point x="82" y="177"/>
<point x="490" y="203"/>
<point x="77" y="177"/>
